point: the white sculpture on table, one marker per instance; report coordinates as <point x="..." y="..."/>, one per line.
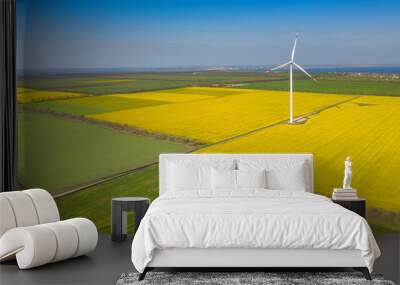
<point x="347" y="174"/>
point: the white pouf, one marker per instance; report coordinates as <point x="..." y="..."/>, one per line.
<point x="31" y="232"/>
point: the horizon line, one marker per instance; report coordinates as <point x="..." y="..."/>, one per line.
<point x="204" y="68"/>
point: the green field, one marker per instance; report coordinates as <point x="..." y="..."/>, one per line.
<point x="92" y="105"/>
<point x="95" y="202"/>
<point x="59" y="154"/>
<point x="102" y="85"/>
<point x="337" y="86"/>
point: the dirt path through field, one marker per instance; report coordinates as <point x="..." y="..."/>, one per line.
<point x="298" y="120"/>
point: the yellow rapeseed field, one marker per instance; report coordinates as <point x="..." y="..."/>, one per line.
<point x="221" y="116"/>
<point x="220" y="91"/>
<point x="367" y="129"/>
<point x="26" y="95"/>
<point x="164" y="96"/>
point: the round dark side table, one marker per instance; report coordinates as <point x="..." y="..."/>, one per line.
<point x="119" y="210"/>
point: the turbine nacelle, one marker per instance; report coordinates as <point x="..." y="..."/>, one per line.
<point x="297" y="66"/>
<point x="292" y="62"/>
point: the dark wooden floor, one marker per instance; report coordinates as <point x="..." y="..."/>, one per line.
<point x="110" y="260"/>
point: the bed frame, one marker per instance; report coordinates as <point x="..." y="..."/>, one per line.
<point x="244" y="259"/>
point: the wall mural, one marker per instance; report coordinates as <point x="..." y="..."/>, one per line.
<point x="106" y="86"/>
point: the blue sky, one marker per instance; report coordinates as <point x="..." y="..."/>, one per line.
<point x="169" y="33"/>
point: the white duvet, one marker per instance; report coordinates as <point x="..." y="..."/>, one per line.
<point x="250" y="219"/>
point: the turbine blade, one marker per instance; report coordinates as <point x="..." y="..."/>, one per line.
<point x="294" y="46"/>
<point x="303" y="70"/>
<point x="280" y="66"/>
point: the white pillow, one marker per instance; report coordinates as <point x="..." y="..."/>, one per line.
<point x="227" y="179"/>
<point x="223" y="179"/>
<point x="187" y="174"/>
<point x="251" y="178"/>
<point x="281" y="174"/>
<point x="188" y="177"/>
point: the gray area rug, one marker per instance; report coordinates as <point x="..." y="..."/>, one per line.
<point x="269" y="278"/>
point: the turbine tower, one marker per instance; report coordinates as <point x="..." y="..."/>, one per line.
<point x="292" y="63"/>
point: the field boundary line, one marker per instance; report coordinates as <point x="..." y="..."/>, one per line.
<point x="117" y="127"/>
<point x="133" y="170"/>
<point x="105" y="179"/>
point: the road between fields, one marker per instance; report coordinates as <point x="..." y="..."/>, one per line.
<point x="299" y="119"/>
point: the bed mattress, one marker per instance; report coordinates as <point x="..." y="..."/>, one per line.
<point x="250" y="219"/>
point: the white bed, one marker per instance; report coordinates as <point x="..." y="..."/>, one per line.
<point x="250" y="227"/>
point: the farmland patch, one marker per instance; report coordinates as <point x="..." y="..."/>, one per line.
<point x="26" y="95"/>
<point x="128" y="87"/>
<point x="205" y="91"/>
<point x="58" y="154"/>
<point x="93" y="105"/>
<point x="170" y="96"/>
<point x="333" y="86"/>
<point x="94" y="202"/>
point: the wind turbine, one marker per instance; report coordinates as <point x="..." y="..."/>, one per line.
<point x="292" y="63"/>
